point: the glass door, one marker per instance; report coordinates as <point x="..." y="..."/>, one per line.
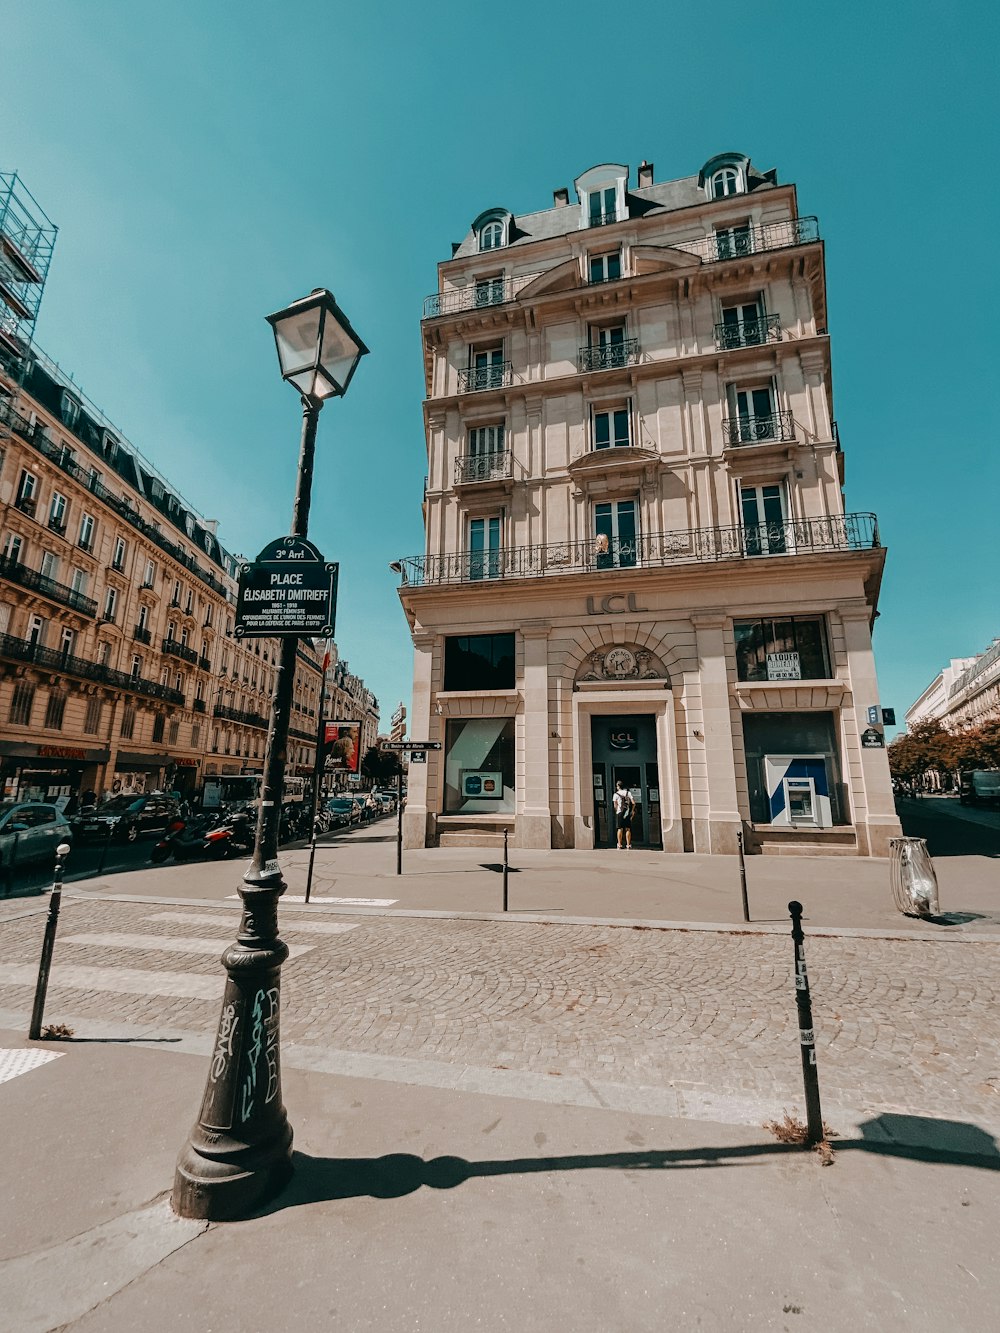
<point x="484" y="548"/>
<point x="615" y="527"/>
<point x="764" y="520"/>
<point x="487" y="368"/>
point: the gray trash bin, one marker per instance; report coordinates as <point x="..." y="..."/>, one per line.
<point x="914" y="883"/>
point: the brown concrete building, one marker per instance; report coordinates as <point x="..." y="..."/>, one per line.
<point x="638" y="562"/>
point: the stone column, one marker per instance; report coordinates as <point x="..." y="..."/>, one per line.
<point x="418" y="820"/>
<point x="534" y="824"/>
<point x="715" y="827"/>
<point x="874" y="807"/>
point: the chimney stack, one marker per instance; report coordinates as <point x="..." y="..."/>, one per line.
<point x="645" y="174"/>
<point x="560" y="198"/>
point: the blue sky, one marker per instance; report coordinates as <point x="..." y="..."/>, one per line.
<point x="207" y="162"/>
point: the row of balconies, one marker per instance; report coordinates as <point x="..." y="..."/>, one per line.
<point x="26" y="650"/>
<point x="15" y="572"/>
<point x="729" y="336"/>
<point x="774" y="427"/>
<point x="654" y="550"/>
<point x="715" y="247"/>
<point x="35" y="435"/>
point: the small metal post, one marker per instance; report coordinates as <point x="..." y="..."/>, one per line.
<point x="48" y="942"/>
<point x="399" y="819"/>
<point x="312" y="858"/>
<point x="104" y="848"/>
<point x="505" y="870"/>
<point x="743" y="875"/>
<point x="807" y="1039"/>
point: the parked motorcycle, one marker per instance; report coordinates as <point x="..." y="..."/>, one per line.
<point x="205" y="837"/>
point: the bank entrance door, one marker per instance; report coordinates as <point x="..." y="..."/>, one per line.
<point x="625" y="747"/>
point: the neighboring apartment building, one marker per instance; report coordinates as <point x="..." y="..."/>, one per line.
<point x="965" y="693"/>
<point x="118" y="669"/>
<point x="638" y="564"/>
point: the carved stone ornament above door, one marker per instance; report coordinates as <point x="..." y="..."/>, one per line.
<point x="621" y="662"/>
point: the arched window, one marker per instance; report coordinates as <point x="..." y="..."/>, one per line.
<point x="726" y="181"/>
<point x="491" y="236"/>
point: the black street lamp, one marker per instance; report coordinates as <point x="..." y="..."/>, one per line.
<point x="239" y="1152"/>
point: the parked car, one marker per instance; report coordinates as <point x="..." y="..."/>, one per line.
<point x="31" y="831"/>
<point x="366" y="811"/>
<point x="341" y="812"/>
<point x="981" y="787"/>
<point x="386" y="800"/>
<point x="127" y="817"/>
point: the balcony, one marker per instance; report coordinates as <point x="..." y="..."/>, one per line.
<point x="776" y="427"/>
<point x="15" y="572"/>
<point x="737" y="242"/>
<point x="734" y="243"/>
<point x="246" y="719"/>
<point x="173" y="648"/>
<point x="612" y="356"/>
<point x="657" y="550"/>
<point x="477" y="378"/>
<point x="199" y="706"/>
<point x="58" y="526"/>
<point x="603" y="219"/>
<point x="498" y="466"/>
<point x="21" y="650"/>
<point x="141" y="634"/>
<point x="205" y="663"/>
<point x="27" y="505"/>
<point x="748" y="332"/>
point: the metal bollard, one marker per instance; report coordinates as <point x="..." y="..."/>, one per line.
<point x="807" y="1040"/>
<point x="743" y="876"/>
<point x="505" y="870"/>
<point x="55" y="902"/>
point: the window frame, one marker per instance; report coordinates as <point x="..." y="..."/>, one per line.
<point x="745" y="627"/>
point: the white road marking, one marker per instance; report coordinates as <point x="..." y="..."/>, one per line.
<point x="13" y="1063"/>
<point x="291" y="925"/>
<point x="168" y="943"/>
<point x="120" y="980"/>
<point x="338" y="902"/>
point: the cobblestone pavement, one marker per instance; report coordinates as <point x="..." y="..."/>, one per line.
<point x="902" y="1025"/>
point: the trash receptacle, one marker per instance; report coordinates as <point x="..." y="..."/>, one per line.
<point x="914" y="883"/>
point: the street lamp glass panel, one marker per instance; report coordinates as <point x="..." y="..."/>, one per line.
<point x="297" y="337"/>
<point x="317" y="349"/>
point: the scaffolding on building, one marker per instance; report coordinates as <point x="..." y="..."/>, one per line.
<point x="27" y="239"/>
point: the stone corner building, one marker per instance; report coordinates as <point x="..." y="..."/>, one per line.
<point x="638" y="562"/>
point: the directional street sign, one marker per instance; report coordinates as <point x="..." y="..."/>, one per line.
<point x="289" y="589"/>
<point x="411" y="745"/>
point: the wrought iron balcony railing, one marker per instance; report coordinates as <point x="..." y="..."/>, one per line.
<point x="716" y="246"/>
<point x="497" y="466"/>
<point x="22" y="650"/>
<point x="778" y="426"/>
<point x="825" y="533"/>
<point x="27" y="505"/>
<point x="205" y="663"/>
<point x="612" y="356"/>
<point x="15" y="572"/>
<point x="239" y="715"/>
<point x="748" y="332"/>
<point x="735" y="242"/>
<point x="199" y="706"/>
<point x="173" y="648"/>
<point x="484" y="377"/>
<point x="604" y="219"/>
<point x="142" y="635"/>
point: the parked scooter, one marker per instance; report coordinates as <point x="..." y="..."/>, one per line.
<point x="205" y="837"/>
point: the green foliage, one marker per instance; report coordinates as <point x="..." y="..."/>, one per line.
<point x="381" y="766"/>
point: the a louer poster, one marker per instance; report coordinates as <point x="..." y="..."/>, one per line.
<point x="342" y="746"/>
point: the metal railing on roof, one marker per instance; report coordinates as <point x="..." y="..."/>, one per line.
<point x="978" y="668"/>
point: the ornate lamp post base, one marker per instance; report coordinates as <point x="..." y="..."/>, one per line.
<point x="239" y="1152"/>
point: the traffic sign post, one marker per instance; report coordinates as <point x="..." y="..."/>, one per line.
<point x="417" y="750"/>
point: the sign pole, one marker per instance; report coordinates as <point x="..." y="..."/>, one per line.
<point x="399" y="819"/>
<point x="317" y="771"/>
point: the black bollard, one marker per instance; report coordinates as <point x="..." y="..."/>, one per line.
<point x="505" y="870"/>
<point x="312" y="858"/>
<point x="807" y="1039"/>
<point x="48" y="942"/>
<point x="743" y="876"/>
<point x="104" y="848"/>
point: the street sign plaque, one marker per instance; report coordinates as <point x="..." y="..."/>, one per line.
<point x="411" y="745"/>
<point x="288" y="590"/>
<point x="418" y="756"/>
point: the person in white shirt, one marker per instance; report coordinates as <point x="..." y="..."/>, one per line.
<point x="623" y="804"/>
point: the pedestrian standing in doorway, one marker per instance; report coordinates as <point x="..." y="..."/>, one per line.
<point x="622" y="801"/>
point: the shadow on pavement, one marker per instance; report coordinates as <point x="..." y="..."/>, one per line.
<point x="912" y="1138"/>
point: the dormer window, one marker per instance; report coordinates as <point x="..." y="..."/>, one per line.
<point x="726" y="181"/>
<point x="492" y="229"/>
<point x="724" y="175"/>
<point x="69" y="409"/>
<point x="491" y="236"/>
<point x="601" y="191"/>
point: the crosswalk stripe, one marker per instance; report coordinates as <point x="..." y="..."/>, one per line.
<point x="290" y="926"/>
<point x="13" y="1063"/>
<point x="341" y="902"/>
<point x="120" y="980"/>
<point x="168" y="943"/>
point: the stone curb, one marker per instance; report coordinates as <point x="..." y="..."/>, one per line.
<point x="543" y="919"/>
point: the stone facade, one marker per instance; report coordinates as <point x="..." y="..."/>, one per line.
<point x="638" y="562"/>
